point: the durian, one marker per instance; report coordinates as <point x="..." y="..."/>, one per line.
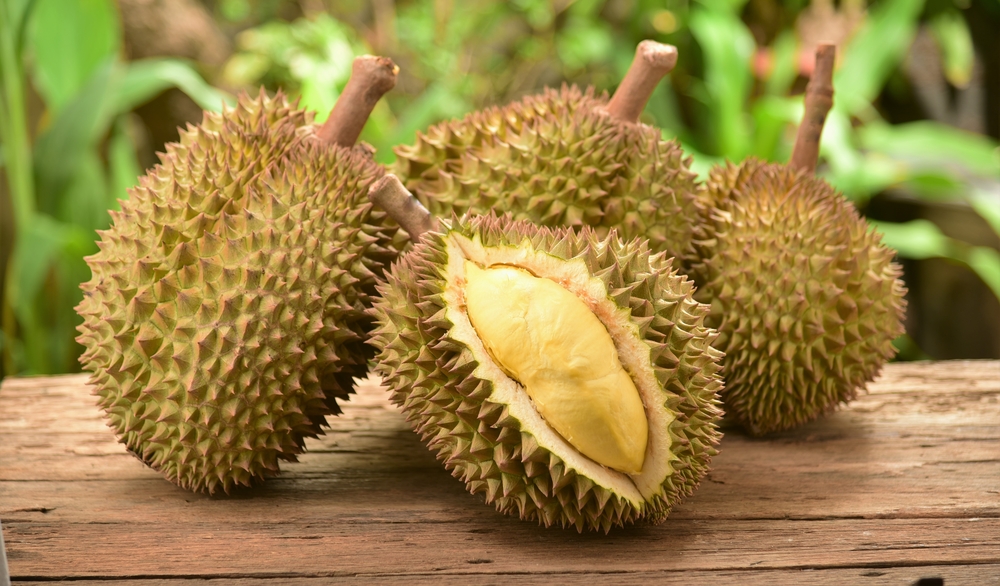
<point x="564" y="158"/>
<point x="806" y="298"/>
<point x="226" y="312"/>
<point x="566" y="377"/>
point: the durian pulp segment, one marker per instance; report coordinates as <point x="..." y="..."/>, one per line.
<point x="633" y="354"/>
<point x="544" y="337"/>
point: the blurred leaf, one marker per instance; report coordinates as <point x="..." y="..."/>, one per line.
<point x="84" y="203"/>
<point x="858" y="175"/>
<point x="784" y="64"/>
<point x="123" y="166"/>
<point x="18" y="13"/>
<point x="538" y="14"/>
<point x="874" y="53"/>
<point x="701" y="164"/>
<point x="583" y="42"/>
<point x="772" y="116"/>
<point x="907" y="349"/>
<point x="921" y="239"/>
<point x="664" y="109"/>
<point x="70" y="39"/>
<point x="918" y="239"/>
<point x="114" y="88"/>
<point x="987" y="204"/>
<point x="142" y="80"/>
<point x="437" y="103"/>
<point x="235" y="10"/>
<point x="955" y="41"/>
<point x="72" y="270"/>
<point x="932" y="184"/>
<point x="308" y="57"/>
<point x="728" y="48"/>
<point x="932" y="144"/>
<point x="40" y="245"/>
<point x="986" y="262"/>
<point x="13" y="115"/>
<point x="724" y="6"/>
<point x="73" y="133"/>
<point x="379" y="132"/>
<point x="244" y="69"/>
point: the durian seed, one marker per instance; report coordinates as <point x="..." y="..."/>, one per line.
<point x="485" y="427"/>
<point x="547" y="339"/>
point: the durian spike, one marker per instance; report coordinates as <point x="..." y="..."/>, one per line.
<point x="652" y="62"/>
<point x="819" y="100"/>
<point x="389" y="194"/>
<point x="371" y="78"/>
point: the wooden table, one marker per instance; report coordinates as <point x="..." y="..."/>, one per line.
<point x="902" y="484"/>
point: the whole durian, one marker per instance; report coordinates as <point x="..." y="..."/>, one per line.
<point x="564" y="158"/>
<point x="566" y="377"/>
<point x="805" y="297"/>
<point x="226" y="312"/>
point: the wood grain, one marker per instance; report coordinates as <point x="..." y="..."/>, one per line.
<point x="903" y="483"/>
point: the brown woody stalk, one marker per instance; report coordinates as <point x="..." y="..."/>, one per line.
<point x="652" y="61"/>
<point x="818" y="101"/>
<point x="390" y="195"/>
<point x="371" y="78"/>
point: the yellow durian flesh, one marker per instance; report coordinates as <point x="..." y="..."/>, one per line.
<point x="546" y="338"/>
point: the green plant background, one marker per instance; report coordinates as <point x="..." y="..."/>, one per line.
<point x="69" y="95"/>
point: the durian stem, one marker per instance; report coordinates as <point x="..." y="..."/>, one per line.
<point x="371" y="78"/>
<point x="819" y="100"/>
<point x="652" y="61"/>
<point x="390" y="195"/>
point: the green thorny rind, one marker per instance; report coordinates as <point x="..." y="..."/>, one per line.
<point x="226" y="313"/>
<point x="430" y="376"/>
<point x="558" y="159"/>
<point x="806" y="298"/>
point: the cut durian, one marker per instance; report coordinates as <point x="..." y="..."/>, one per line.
<point x="549" y="341"/>
<point x="469" y="404"/>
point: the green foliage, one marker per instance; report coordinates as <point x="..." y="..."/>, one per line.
<point x="69" y="41"/>
<point x="81" y="163"/>
<point x="309" y="57"/>
<point x="734" y="93"/>
<point x="728" y="48"/>
<point x="876" y="50"/>
<point x="922" y="239"/>
<point x="952" y="35"/>
<point x="865" y="155"/>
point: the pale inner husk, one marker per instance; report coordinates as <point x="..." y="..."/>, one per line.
<point x="632" y="351"/>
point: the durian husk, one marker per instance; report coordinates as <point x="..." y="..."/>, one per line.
<point x="805" y="296"/>
<point x="226" y="312"/>
<point x="438" y="380"/>
<point x="557" y="159"/>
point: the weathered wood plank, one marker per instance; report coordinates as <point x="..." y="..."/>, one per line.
<point x="873" y="459"/>
<point x="977" y="575"/>
<point x="974" y="575"/>
<point x="948" y="490"/>
<point x="887" y="485"/>
<point x="395" y="545"/>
